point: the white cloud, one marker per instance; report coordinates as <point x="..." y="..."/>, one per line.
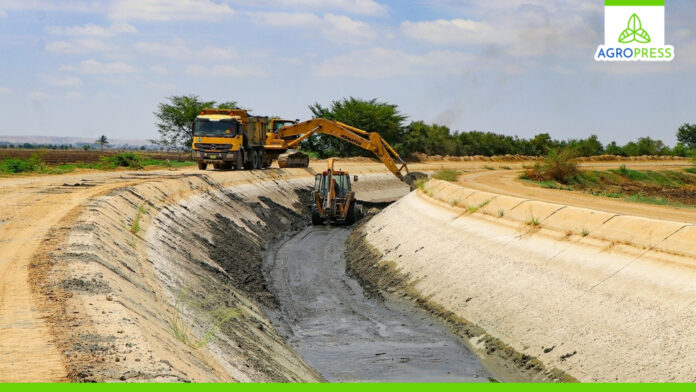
<point x="169" y="10"/>
<point x="61" y="81"/>
<point x="516" y="28"/>
<point x="74" y="95"/>
<point x="52" y="5"/>
<point x="37" y="96"/>
<point x="454" y="32"/>
<point x="286" y="19"/>
<point x="342" y="29"/>
<point x="92" y="30"/>
<point x="177" y="49"/>
<point x="222" y="71"/>
<point x="3" y="14"/>
<point x="382" y="63"/>
<point x="362" y="7"/>
<point x="335" y="28"/>
<point x="159" y="70"/>
<point x="5" y="90"/>
<point x="94" y="67"/>
<point x="77" y="46"/>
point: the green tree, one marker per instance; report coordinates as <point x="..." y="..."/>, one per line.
<point x="175" y="119"/>
<point x="687" y="134"/>
<point x="587" y="147"/>
<point x="368" y="115"/>
<point x="429" y="139"/>
<point x="102" y="141"/>
<point x="614" y="149"/>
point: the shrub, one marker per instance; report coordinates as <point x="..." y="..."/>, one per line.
<point x="559" y="165"/>
<point x="22" y="165"/>
<point x="126" y="159"/>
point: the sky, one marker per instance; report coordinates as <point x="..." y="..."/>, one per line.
<point x="519" y="67"/>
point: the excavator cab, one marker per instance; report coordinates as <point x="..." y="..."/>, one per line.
<point x="334" y="199"/>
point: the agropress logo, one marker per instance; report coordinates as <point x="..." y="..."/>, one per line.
<point x="634" y="30"/>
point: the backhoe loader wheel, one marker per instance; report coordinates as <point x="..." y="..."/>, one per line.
<point x="202" y="166"/>
<point x="316" y="218"/>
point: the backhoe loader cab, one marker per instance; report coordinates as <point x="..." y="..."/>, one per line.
<point x="334" y="200"/>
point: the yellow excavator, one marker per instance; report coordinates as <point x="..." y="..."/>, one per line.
<point x="334" y="199"/>
<point x="290" y="136"/>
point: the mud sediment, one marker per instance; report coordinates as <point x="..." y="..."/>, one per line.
<point x="162" y="281"/>
<point x="382" y="278"/>
<point x="599" y="296"/>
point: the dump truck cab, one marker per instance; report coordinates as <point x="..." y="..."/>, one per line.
<point x="228" y="138"/>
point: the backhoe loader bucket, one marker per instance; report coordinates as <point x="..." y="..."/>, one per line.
<point x="293" y="159"/>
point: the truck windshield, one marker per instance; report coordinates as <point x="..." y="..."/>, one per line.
<point x="224" y="128"/>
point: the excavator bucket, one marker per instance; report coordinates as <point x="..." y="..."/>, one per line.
<point x="413" y="177"/>
<point x="293" y="159"/>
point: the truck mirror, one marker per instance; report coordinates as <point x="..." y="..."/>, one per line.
<point x="355" y="178"/>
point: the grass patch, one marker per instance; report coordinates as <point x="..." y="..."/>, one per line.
<point x="475" y="208"/>
<point x="35" y="164"/>
<point x="489" y="167"/>
<point x="19" y="165"/>
<point x="501" y="213"/>
<point x="532" y="221"/>
<point x="506" y="167"/>
<point x="585" y="232"/>
<point x="216" y="318"/>
<point x="657" y="187"/>
<point x="135" y="227"/>
<point x="447" y="175"/>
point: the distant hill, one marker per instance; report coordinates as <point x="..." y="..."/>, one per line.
<point x="70" y="140"/>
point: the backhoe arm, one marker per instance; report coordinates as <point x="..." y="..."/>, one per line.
<point x="370" y="141"/>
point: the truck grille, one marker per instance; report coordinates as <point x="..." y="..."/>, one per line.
<point x="217" y="147"/>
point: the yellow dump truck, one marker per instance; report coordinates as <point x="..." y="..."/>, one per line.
<point x="230" y="138"/>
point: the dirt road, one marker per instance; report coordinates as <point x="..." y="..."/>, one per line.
<point x="348" y="337"/>
<point x="30" y="208"/>
<point x="508" y="183"/>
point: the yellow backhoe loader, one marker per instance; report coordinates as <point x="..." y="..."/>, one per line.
<point x="334" y="199"/>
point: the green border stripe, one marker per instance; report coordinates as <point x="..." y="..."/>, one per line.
<point x="634" y="3"/>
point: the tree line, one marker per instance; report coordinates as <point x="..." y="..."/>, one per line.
<point x="408" y="138"/>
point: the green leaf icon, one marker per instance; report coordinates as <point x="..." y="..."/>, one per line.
<point x="634" y="32"/>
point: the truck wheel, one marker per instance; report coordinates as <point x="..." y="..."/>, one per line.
<point x="251" y="161"/>
<point x="217" y="166"/>
<point x="238" y="165"/>
<point x="202" y="166"/>
<point x="262" y="163"/>
<point x="316" y="218"/>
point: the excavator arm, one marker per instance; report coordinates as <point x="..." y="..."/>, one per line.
<point x="370" y="141"/>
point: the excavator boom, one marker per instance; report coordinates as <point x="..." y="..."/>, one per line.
<point x="370" y="141"/>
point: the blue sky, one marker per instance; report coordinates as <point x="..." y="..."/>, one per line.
<point x="519" y="67"/>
